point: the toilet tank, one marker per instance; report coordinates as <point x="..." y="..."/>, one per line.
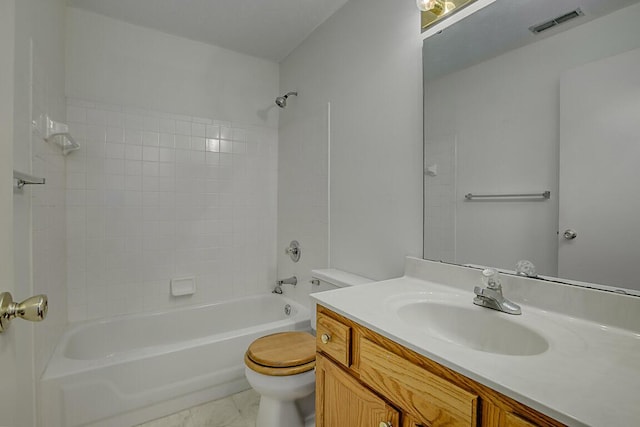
<point x="329" y="279"/>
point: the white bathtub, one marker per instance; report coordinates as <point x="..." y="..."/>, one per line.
<point x="130" y="369"/>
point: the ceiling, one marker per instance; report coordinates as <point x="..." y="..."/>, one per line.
<point x="269" y="29"/>
<point x="502" y="26"/>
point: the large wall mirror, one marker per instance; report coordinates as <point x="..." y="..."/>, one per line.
<point x="534" y="106"/>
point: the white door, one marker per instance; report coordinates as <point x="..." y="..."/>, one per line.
<point x="600" y="172"/>
<point x="16" y="374"/>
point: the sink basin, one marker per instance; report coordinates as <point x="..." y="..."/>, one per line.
<point x="474" y="327"/>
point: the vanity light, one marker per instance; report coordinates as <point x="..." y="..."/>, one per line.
<point x="436" y="7"/>
<point x="436" y="15"/>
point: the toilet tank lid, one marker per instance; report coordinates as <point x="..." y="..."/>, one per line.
<point x="339" y="278"/>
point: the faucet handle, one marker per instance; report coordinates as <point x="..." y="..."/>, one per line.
<point x="490" y="278"/>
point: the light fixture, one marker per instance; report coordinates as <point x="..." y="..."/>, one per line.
<point x="440" y="14"/>
<point x="437" y="7"/>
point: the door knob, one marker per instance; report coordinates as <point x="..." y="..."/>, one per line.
<point x="385" y="424"/>
<point x="33" y="309"/>
<point x="570" y="234"/>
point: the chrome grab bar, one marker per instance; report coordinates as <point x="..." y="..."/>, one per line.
<point x="544" y="195"/>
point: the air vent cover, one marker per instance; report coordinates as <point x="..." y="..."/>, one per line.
<point x="536" y="29"/>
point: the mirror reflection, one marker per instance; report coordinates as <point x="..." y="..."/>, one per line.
<point x="535" y="104"/>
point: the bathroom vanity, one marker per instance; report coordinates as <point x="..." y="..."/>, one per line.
<point x="415" y="351"/>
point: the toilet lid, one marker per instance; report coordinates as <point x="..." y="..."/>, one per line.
<point x="283" y="350"/>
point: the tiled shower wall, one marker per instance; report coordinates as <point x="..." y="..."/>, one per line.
<point x="440" y="198"/>
<point x="153" y="196"/>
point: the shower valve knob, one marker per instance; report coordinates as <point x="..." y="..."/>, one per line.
<point x="293" y="250"/>
<point x="33" y="309"/>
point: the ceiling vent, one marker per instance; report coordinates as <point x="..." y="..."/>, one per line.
<point x="537" y="29"/>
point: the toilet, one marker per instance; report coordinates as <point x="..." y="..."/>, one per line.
<point x="280" y="367"/>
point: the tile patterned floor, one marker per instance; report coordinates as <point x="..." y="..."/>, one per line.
<point x="239" y="410"/>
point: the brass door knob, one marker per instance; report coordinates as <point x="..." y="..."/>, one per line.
<point x="325" y="338"/>
<point x="33" y="309"/>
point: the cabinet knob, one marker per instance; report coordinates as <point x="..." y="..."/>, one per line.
<point x="385" y="424"/>
<point x="325" y="339"/>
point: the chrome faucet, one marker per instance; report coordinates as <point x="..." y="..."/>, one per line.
<point x="293" y="280"/>
<point x="491" y="295"/>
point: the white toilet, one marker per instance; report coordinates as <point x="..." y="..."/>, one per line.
<point x="281" y="366"/>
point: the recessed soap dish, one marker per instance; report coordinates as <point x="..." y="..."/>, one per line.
<point x="183" y="286"/>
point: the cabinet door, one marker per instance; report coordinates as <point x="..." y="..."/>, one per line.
<point x="512" y="420"/>
<point x="408" y="421"/>
<point x="342" y="401"/>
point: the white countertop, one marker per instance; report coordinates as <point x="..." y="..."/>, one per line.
<point x="588" y="376"/>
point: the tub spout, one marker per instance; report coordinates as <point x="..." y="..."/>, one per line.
<point x="293" y="280"/>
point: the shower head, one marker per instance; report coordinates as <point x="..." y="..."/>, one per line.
<point x="281" y="101"/>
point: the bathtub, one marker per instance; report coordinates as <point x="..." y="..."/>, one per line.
<point x="130" y="369"/>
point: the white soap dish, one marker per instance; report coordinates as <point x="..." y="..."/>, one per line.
<point x="183" y="286"/>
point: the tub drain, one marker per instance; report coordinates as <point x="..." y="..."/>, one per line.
<point x="287" y="310"/>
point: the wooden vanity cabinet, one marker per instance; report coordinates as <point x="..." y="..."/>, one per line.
<point x="366" y="380"/>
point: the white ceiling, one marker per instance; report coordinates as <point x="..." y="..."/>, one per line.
<point x="268" y="29"/>
<point x="503" y="26"/>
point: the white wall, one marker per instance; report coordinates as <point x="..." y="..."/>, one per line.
<point x="503" y="114"/>
<point x="177" y="176"/>
<point x="303" y="192"/>
<point x="116" y="63"/>
<point x="366" y="61"/>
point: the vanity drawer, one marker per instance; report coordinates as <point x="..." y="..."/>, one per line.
<point x="425" y="396"/>
<point x="334" y="339"/>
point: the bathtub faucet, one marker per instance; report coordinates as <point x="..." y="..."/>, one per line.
<point x="293" y="280"/>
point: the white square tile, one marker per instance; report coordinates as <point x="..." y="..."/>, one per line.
<point x="167" y="155"/>
<point x="198" y="129"/>
<point x="96" y="133"/>
<point x="115" y="119"/>
<point x="183" y="128"/>
<point x="132" y="136"/>
<point x="151" y="139"/>
<point x="134" y="121"/>
<point x="183" y="142"/>
<point x="167" y="126"/>
<point x="113" y="182"/>
<point x="96" y="117"/>
<point x="114" y="151"/>
<point x="167" y="140"/>
<point x="183" y="156"/>
<point x="226" y="132"/>
<point x="226" y="146"/>
<point x="213" y="145"/>
<point x="115" y="134"/>
<point x="133" y="152"/>
<point x="198" y="143"/>
<point x="166" y="170"/>
<point x="149" y="168"/>
<point x="114" y="166"/>
<point x="213" y="131"/>
<point x="151" y="154"/>
<point x="133" y="167"/>
<point x="76" y="114"/>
